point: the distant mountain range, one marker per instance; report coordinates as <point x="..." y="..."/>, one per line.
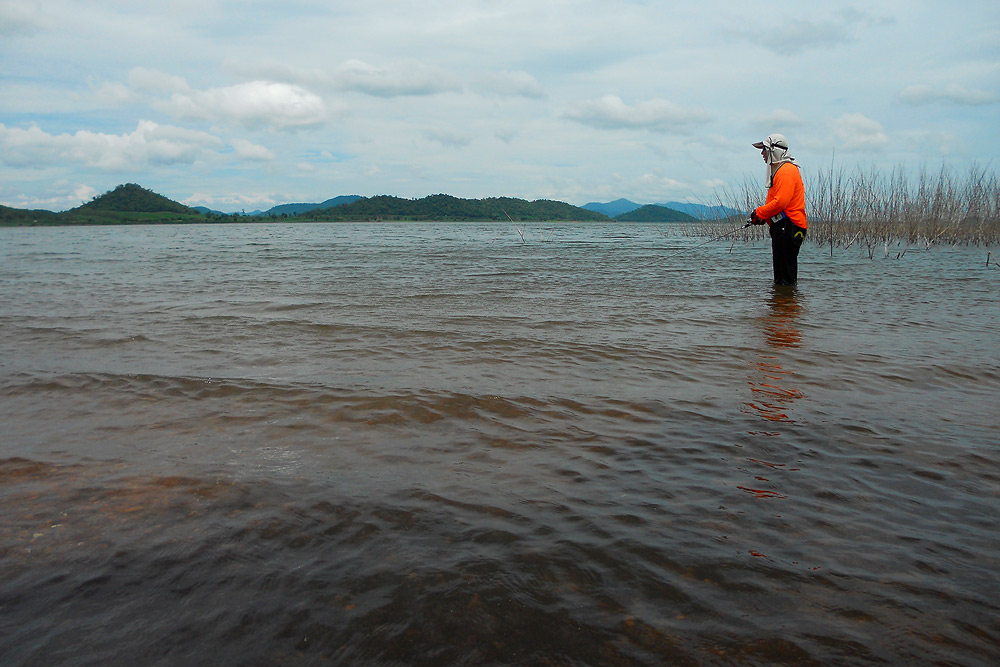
<point x="295" y="209"/>
<point x="655" y="213"/>
<point x="619" y="207"/>
<point x="131" y="204"/>
<point x="290" y="209"/>
<point x="612" y="208"/>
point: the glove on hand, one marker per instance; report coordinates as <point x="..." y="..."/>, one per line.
<point x="754" y="220"/>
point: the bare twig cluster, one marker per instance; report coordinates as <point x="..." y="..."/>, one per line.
<point x="878" y="210"/>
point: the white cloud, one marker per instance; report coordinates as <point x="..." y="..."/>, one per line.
<point x="449" y="138"/>
<point x="69" y="196"/>
<point x="308" y="77"/>
<point x="656" y="182"/>
<point x="149" y="144"/>
<point x="611" y="113"/>
<point x="506" y="135"/>
<point x="259" y="200"/>
<point x="855" y="132"/>
<point x="801" y="34"/>
<point x="154" y="81"/>
<point x="397" y="80"/>
<point x="113" y="94"/>
<point x="248" y="150"/>
<point x="940" y="142"/>
<point x="21" y="17"/>
<point x="512" y="84"/>
<point x="777" y="119"/>
<point x="83" y="192"/>
<point x="256" y="104"/>
<point x="949" y="94"/>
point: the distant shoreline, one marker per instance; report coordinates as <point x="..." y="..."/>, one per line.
<point x="255" y="220"/>
<point x="131" y="204"/>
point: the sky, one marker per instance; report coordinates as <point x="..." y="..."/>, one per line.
<point x="245" y="105"/>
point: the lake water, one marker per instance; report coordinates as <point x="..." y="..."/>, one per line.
<point x="435" y="444"/>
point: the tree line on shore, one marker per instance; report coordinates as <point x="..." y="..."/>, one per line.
<point x="131" y="204"/>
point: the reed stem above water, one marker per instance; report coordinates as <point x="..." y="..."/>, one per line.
<point x="875" y="208"/>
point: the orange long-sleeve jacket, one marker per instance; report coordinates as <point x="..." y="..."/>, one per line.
<point x="786" y="195"/>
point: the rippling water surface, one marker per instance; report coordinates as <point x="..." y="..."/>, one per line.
<point x="433" y="444"/>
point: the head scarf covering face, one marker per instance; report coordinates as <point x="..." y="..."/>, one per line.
<point x="775" y="149"/>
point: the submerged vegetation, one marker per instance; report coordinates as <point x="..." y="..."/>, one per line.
<point x="875" y="209"/>
<point x="872" y="208"/>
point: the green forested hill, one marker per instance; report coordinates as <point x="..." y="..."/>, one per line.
<point x="654" y="213"/>
<point x="133" y="204"/>
<point x="126" y="204"/>
<point x="130" y="204"/>
<point x="19" y="216"/>
<point x="447" y="208"/>
<point x="132" y="198"/>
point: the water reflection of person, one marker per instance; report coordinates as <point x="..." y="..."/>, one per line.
<point x="781" y="326"/>
<point x="772" y="394"/>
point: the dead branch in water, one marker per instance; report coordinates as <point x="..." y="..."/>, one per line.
<point x="874" y="208"/>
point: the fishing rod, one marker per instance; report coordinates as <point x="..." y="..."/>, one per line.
<point x="717" y="238"/>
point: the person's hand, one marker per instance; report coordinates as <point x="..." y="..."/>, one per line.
<point x="754" y="220"/>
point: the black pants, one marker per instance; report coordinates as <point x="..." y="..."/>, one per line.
<point x="786" y="237"/>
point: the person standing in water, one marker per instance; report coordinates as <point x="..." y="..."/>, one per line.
<point x="784" y="211"/>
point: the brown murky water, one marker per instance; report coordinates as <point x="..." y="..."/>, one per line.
<point x="424" y="444"/>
